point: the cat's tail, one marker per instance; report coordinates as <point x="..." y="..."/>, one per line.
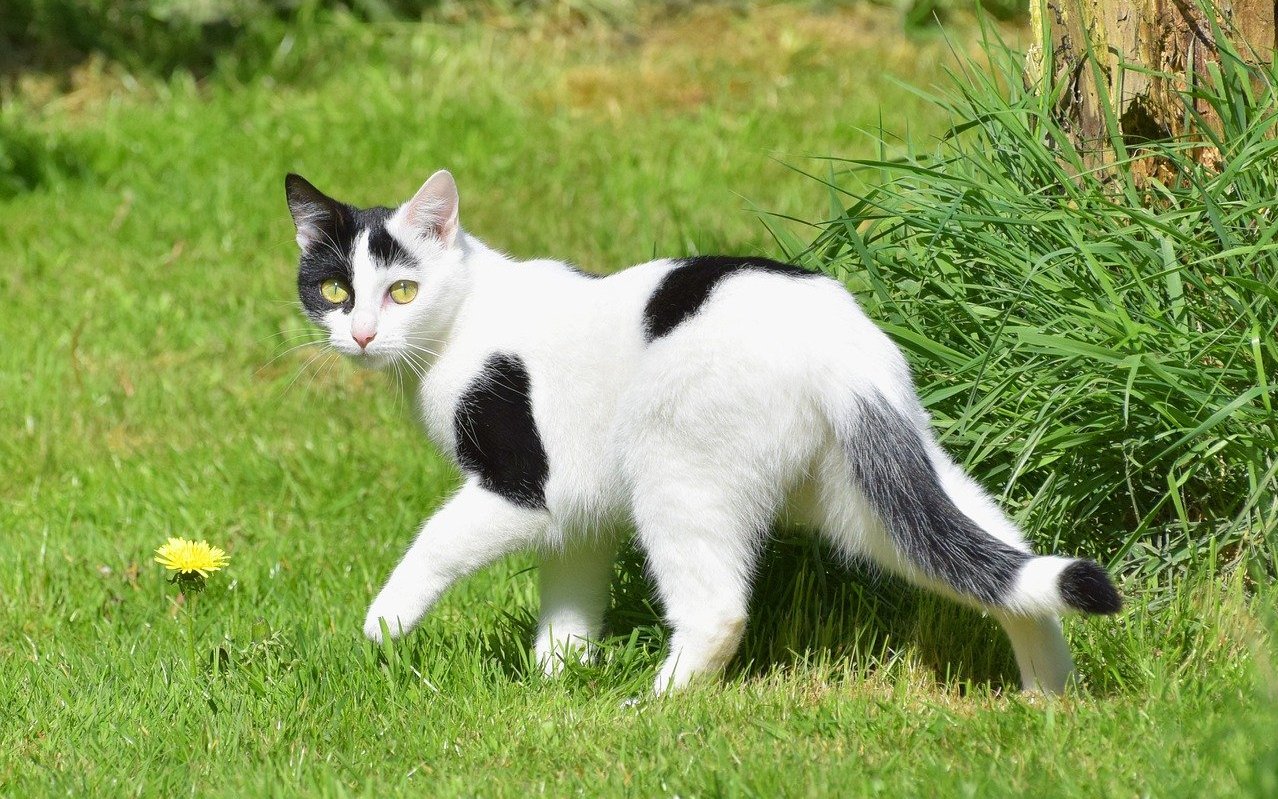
<point x="897" y="473"/>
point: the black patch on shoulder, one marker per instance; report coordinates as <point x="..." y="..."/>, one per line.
<point x="1086" y="586"/>
<point x="331" y="256"/>
<point x="684" y="289"/>
<point x="892" y="468"/>
<point x="496" y="434"/>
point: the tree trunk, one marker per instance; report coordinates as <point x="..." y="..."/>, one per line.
<point x="1170" y="37"/>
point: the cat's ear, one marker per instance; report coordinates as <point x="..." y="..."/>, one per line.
<point x="433" y="210"/>
<point x="314" y="212"/>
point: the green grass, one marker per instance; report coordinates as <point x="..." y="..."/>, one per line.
<point x="1101" y="346"/>
<point x="147" y="389"/>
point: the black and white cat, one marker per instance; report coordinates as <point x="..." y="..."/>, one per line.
<point x="692" y="401"/>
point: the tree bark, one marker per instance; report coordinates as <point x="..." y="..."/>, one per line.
<point x="1129" y="39"/>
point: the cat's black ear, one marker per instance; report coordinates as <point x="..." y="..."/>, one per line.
<point x="433" y="210"/>
<point x="314" y="212"/>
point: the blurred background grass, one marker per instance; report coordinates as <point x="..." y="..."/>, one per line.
<point x="201" y="36"/>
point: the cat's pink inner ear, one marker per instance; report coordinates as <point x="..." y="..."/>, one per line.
<point x="433" y="210"/>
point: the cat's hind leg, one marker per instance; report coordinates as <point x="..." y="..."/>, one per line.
<point x="1042" y="654"/>
<point x="471" y="530"/>
<point x="575" y="583"/>
<point x="1037" y="641"/>
<point x="720" y="426"/>
<point x="702" y="540"/>
<point x="702" y="565"/>
<point x="900" y="501"/>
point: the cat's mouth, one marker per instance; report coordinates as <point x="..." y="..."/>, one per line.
<point x="371" y="357"/>
<point x="377" y="360"/>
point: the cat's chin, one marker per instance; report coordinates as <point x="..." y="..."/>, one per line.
<point x="377" y="361"/>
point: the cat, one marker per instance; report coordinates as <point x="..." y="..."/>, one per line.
<point x="691" y="401"/>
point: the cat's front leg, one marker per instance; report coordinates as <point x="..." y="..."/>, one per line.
<point x="471" y="530"/>
<point x="574" y="594"/>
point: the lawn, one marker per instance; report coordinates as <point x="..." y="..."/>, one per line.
<point x="156" y="379"/>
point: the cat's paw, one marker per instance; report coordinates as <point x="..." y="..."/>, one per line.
<point x="379" y="619"/>
<point x="553" y="654"/>
<point x="671" y="678"/>
<point x="373" y="629"/>
<point x="399" y="609"/>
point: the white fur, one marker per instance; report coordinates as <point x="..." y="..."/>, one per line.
<point x="697" y="440"/>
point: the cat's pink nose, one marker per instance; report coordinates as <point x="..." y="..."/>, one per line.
<point x="362" y="339"/>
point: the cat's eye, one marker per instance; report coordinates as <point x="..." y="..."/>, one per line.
<point x="403" y="291"/>
<point x="335" y="291"/>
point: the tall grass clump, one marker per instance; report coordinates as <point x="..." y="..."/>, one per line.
<point x="1097" y="346"/>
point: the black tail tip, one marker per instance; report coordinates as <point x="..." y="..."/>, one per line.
<point x="1086" y="586"/>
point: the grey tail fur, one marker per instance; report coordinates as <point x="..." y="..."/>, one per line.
<point x="891" y="466"/>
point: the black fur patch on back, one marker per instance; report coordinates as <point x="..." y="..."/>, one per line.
<point x="1086" y="586"/>
<point x="496" y="434"/>
<point x="684" y="289"/>
<point x="893" y="470"/>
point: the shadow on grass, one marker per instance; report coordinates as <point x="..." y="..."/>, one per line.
<point x="806" y="607"/>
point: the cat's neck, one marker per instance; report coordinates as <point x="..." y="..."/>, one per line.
<point x="477" y="261"/>
<point x="475" y="251"/>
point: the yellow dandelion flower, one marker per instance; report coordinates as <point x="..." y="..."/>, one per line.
<point x="190" y="557"/>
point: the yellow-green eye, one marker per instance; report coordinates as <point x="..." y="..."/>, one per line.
<point x="335" y="291"/>
<point x="403" y="291"/>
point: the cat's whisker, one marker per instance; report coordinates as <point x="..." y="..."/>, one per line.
<point x="302" y="371"/>
<point x="321" y="369"/>
<point x="415" y="363"/>
<point x="422" y="350"/>
<point x="417" y="348"/>
<point x="400" y="389"/>
<point x="297" y="342"/>
<point x="424" y="354"/>
<point x="289" y="350"/>
<point x="290" y="334"/>
<point x="331" y="244"/>
<point x="419" y="337"/>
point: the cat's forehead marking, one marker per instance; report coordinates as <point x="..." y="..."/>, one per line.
<point x="381" y="247"/>
<point x="363" y="270"/>
<point x="384" y="248"/>
<point x="374" y="251"/>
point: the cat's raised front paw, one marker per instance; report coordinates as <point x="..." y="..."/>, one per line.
<point x="373" y="624"/>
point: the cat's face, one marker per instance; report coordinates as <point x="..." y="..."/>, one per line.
<point x="384" y="283"/>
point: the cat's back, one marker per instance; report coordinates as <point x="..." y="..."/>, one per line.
<point x="695" y="293"/>
<point x="585" y="336"/>
<point x="751" y="337"/>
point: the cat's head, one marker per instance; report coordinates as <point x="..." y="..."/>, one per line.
<point x="383" y="282"/>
